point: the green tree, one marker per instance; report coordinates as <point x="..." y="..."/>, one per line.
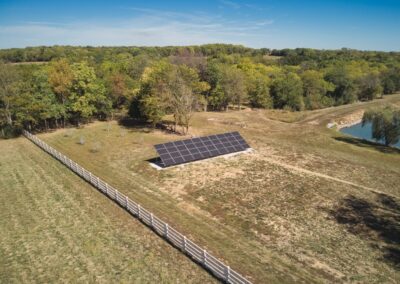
<point x="186" y="90"/>
<point x="391" y="80"/>
<point x="369" y="86"/>
<point x="8" y="87"/>
<point x="287" y="92"/>
<point x="61" y="77"/>
<point x="36" y="105"/>
<point x="385" y="124"/>
<point x="168" y="88"/>
<point x="233" y="85"/>
<point x="259" y="91"/>
<point x="346" y="90"/>
<point x="258" y="83"/>
<point x="315" y="89"/>
<point x="151" y="101"/>
<point x="151" y="110"/>
<point x="134" y="110"/>
<point x="47" y="107"/>
<point x="227" y="85"/>
<point x="87" y="93"/>
<point x="9" y="81"/>
<point x="216" y="98"/>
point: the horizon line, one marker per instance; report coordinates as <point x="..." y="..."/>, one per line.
<point x="203" y="44"/>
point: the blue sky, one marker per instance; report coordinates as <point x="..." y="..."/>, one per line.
<point x="327" y="24"/>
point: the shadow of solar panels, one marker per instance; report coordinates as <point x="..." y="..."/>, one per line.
<point x="184" y="151"/>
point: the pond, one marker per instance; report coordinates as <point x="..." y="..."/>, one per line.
<point x="363" y="132"/>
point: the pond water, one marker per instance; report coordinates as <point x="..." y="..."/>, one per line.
<point x="365" y="132"/>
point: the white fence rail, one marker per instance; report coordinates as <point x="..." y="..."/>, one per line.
<point x="197" y="253"/>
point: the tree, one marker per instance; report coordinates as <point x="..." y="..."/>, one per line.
<point x="385" y="124"/>
<point x="178" y="81"/>
<point x="150" y="109"/>
<point x="167" y="88"/>
<point x="257" y="82"/>
<point x="134" y="110"/>
<point x="391" y="80"/>
<point x="315" y="89"/>
<point x="61" y="78"/>
<point x="216" y="98"/>
<point x="227" y="85"/>
<point x="87" y="93"/>
<point x="118" y="89"/>
<point x="151" y="101"/>
<point x="43" y="100"/>
<point x="287" y="92"/>
<point x="346" y="90"/>
<point x="369" y="86"/>
<point x="36" y="105"/>
<point x="9" y="80"/>
<point x="8" y="87"/>
<point x="185" y="90"/>
<point x="233" y="85"/>
<point x="187" y="56"/>
<point x="259" y="92"/>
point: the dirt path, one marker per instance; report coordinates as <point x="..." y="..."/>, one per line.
<point x="312" y="173"/>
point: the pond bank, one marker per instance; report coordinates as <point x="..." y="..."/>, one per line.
<point x="347" y="121"/>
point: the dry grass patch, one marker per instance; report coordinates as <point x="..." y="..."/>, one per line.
<point x="56" y="227"/>
<point x="271" y="214"/>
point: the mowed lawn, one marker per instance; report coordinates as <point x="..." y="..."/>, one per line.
<point x="308" y="205"/>
<point x="57" y="228"/>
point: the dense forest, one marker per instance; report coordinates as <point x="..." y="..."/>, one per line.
<point x="51" y="87"/>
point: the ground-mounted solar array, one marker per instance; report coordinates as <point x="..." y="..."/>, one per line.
<point x="183" y="151"/>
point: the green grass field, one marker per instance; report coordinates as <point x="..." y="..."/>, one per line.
<point x="57" y="228"/>
<point x="308" y="205"/>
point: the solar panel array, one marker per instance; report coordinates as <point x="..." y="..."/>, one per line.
<point x="179" y="152"/>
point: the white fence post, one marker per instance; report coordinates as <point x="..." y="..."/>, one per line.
<point x="204" y="256"/>
<point x="151" y="219"/>
<point x="126" y="202"/>
<point x="184" y="243"/>
<point x="227" y="273"/>
<point x="166" y="230"/>
<point x="138" y="209"/>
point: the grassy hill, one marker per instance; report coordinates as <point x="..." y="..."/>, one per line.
<point x="308" y="205"/>
<point x="57" y="228"/>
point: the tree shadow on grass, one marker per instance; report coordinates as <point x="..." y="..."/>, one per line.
<point x="368" y="144"/>
<point x="378" y="222"/>
<point x="140" y="126"/>
<point x="135" y="125"/>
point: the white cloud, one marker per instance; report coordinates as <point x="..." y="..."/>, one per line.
<point x="230" y="4"/>
<point x="147" y="27"/>
<point x="264" y="23"/>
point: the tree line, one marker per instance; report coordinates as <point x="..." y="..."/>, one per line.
<point x="76" y="84"/>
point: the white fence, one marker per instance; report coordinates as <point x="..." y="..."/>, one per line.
<point x="200" y="255"/>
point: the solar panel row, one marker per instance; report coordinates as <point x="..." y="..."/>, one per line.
<point x="178" y="152"/>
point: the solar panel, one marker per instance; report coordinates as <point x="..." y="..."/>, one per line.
<point x="183" y="151"/>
